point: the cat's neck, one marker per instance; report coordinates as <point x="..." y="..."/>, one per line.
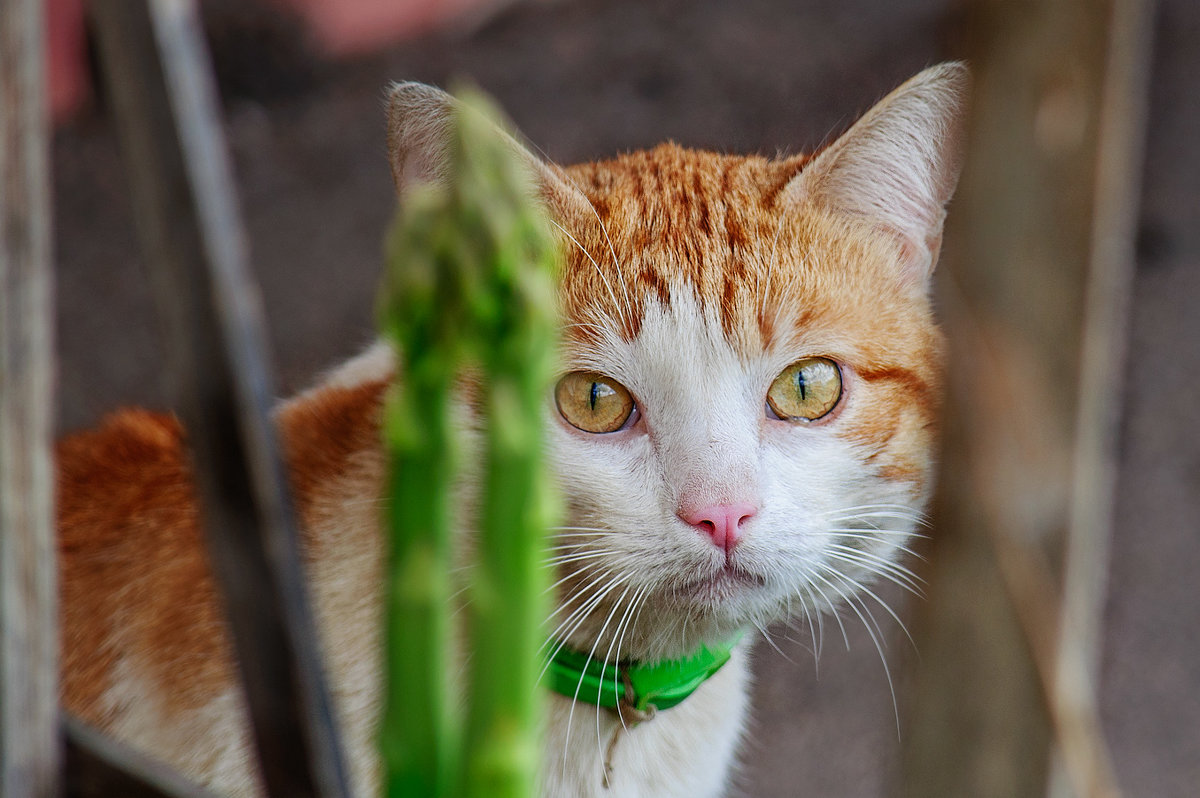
<point x="683" y="752"/>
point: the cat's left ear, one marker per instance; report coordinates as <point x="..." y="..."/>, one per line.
<point x="419" y="119"/>
<point x="898" y="165"/>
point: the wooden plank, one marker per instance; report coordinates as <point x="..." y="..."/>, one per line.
<point x="29" y="752"/>
<point x="1120" y="140"/>
<point x="1035" y="277"/>
<point x="160" y="82"/>
<point x="99" y="767"/>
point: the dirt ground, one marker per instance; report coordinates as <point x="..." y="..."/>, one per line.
<point x="588" y="78"/>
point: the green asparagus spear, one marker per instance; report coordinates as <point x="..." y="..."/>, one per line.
<point x="469" y="286"/>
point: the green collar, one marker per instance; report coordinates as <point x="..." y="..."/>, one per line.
<point x="638" y="685"/>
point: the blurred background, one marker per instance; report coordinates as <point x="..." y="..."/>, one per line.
<point x="302" y="85"/>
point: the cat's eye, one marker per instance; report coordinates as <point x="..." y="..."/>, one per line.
<point x="806" y="390"/>
<point x="593" y="402"/>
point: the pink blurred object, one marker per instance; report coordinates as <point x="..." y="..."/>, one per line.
<point x="66" y="58"/>
<point x="337" y="27"/>
<point x="341" y="27"/>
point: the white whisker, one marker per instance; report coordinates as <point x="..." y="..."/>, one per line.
<point x="873" y="631"/>
<point x="861" y="588"/>
<point x="763" y="631"/>
<point x="565" y="559"/>
<point x="591" y="653"/>
<point x="608" y="286"/>
<point x="616" y="261"/>
<point x="585" y="604"/>
<point x="634" y="604"/>
<point x="829" y="605"/>
<point x="879" y="566"/>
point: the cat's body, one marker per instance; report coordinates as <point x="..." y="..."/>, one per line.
<point x="693" y="284"/>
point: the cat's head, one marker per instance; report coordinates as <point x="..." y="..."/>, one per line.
<point x="751" y="371"/>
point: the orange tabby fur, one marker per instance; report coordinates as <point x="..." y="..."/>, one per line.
<point x="687" y="218"/>
<point x="136" y="584"/>
<point x="807" y="271"/>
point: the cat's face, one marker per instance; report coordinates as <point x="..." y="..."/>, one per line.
<point x="744" y="425"/>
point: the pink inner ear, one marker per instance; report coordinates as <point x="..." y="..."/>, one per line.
<point x="898" y="165"/>
<point x="917" y="260"/>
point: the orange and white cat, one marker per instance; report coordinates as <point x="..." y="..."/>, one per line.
<point x="742" y="432"/>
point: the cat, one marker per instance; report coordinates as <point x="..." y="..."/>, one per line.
<point x="742" y="433"/>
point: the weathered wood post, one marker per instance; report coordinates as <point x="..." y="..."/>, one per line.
<point x="29" y="746"/>
<point x="1036" y="276"/>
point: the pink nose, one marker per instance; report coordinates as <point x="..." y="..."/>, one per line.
<point x="721" y="522"/>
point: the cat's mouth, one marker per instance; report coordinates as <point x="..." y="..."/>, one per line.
<point x="720" y="586"/>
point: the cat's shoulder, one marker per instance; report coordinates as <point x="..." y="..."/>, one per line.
<point x="337" y="419"/>
<point x="135" y="459"/>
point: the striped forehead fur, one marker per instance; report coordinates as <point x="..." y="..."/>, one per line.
<point x="724" y="229"/>
<point x="672" y="219"/>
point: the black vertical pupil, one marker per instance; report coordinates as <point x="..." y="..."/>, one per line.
<point x="800" y="384"/>
<point x="594" y="394"/>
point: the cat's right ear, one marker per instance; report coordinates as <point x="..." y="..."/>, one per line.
<point x="418" y="138"/>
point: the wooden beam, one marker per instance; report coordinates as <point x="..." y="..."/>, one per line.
<point x="1035" y="285"/>
<point x="166" y="115"/>
<point x="29" y="748"/>
<point x="99" y="767"/>
<point x="1120" y="140"/>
